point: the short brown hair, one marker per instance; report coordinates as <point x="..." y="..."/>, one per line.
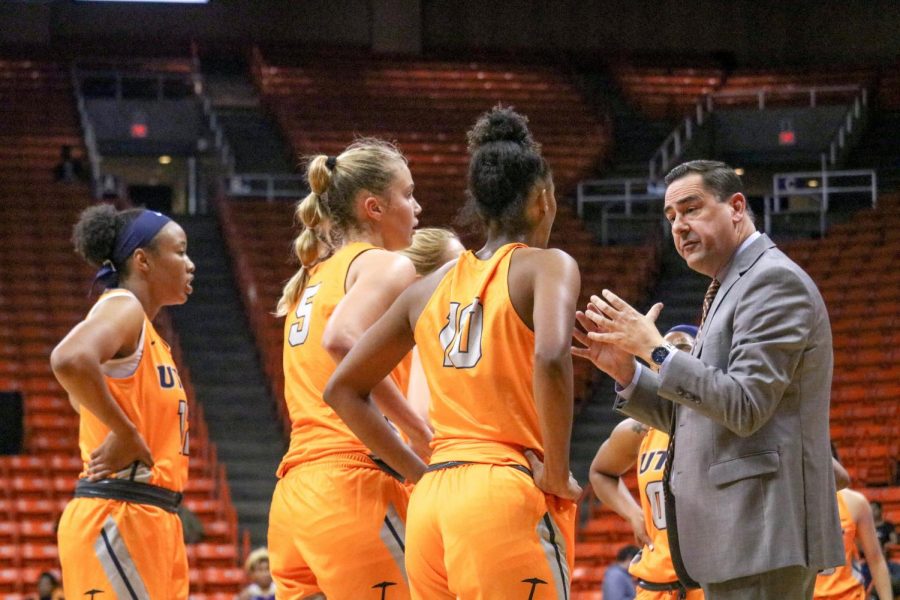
<point x="717" y="177"/>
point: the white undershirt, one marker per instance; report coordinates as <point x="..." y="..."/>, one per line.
<point x="120" y="368"/>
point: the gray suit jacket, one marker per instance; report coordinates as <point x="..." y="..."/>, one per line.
<point x="752" y="477"/>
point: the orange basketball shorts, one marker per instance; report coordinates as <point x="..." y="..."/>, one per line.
<point x="115" y="549"/>
<point x="337" y="527"/>
<point x="480" y="531"/>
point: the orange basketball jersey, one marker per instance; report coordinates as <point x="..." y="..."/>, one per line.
<point x="153" y="398"/>
<point x="654" y="565"/>
<point x="316" y="430"/>
<point x="845" y="581"/>
<point x="478" y="358"/>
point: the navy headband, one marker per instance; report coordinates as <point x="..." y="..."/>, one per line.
<point x="137" y="234"/>
<point x="691" y="330"/>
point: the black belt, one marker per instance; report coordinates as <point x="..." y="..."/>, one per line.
<point x="129" y="491"/>
<point x="386" y="468"/>
<point x="459" y="463"/>
<point x="673" y="586"/>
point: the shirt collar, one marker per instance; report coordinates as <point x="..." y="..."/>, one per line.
<point x="721" y="275"/>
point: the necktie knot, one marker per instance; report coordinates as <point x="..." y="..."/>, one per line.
<point x="708" y="298"/>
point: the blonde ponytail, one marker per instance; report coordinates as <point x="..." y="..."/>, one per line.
<point x="329" y="211"/>
<point x="314" y="242"/>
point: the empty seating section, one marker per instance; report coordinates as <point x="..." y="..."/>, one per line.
<point x="666" y="94"/>
<point x="670" y="93"/>
<point x="857" y="268"/>
<point x="43" y="293"/>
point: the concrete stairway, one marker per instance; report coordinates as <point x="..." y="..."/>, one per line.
<point x="228" y="379"/>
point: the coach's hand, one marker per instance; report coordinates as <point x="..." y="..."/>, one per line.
<point x="117" y="452"/>
<point x="568" y="490"/>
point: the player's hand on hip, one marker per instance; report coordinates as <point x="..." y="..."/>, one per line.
<point x="566" y="489"/>
<point x="116" y="452"/>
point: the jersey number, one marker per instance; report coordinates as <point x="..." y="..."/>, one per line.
<point x="461" y="337"/>
<point x="183" y="425"/>
<point x="300" y="330"/>
<point x="657" y="500"/>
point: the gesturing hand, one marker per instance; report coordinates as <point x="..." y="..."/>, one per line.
<point x="616" y="363"/>
<point x="117" y="452"/>
<point x="569" y="490"/>
<point x="617" y="323"/>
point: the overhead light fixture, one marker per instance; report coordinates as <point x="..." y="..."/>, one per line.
<point x="739" y="171"/>
<point x="165" y="159"/>
<point x="813" y="183"/>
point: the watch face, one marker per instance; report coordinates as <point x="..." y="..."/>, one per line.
<point x="659" y="354"/>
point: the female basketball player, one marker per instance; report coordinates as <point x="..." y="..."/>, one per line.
<point x="337" y="517"/>
<point x="493" y="333"/>
<point x="632" y="443"/>
<point x="121" y="536"/>
<point x="858" y="527"/>
<point x="431" y="248"/>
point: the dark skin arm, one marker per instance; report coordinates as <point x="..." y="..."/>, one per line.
<point x="111" y="331"/>
<point x="370" y="360"/>
<point x="544" y="285"/>
<point x="616" y="456"/>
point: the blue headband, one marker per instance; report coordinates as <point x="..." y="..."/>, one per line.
<point x="137" y="234"/>
<point x="691" y="330"/>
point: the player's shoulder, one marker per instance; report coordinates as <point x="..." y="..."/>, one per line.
<point x="631" y="428"/>
<point x="551" y="261"/>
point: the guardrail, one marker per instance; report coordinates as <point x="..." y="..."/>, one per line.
<point x="672" y="148"/>
<point x="266" y="185"/>
<point x="90" y="139"/>
<point x="618" y="199"/>
<point x="855" y="114"/>
<point x="820" y="186"/>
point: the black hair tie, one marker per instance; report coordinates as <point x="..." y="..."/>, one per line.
<point x="331" y="162"/>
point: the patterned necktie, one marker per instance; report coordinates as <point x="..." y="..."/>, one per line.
<point x="711" y="292"/>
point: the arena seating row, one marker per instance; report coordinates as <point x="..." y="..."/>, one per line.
<point x="669" y="93"/>
<point x="43" y="293"/>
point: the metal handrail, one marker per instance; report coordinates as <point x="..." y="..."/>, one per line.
<point x="90" y="138"/>
<point x="839" y="142"/>
<point x="671" y="149"/>
<point x="243" y="185"/>
<point x="626" y="190"/>
<point x="827" y="184"/>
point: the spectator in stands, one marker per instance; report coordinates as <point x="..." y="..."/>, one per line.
<point x="133" y="432"/>
<point x="756" y="510"/>
<point x="617" y="582"/>
<point x="68" y="169"/>
<point x="46" y="583"/>
<point x="887" y="533"/>
<point x="261" y="586"/>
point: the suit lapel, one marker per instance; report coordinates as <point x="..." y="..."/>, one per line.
<point x="743" y="262"/>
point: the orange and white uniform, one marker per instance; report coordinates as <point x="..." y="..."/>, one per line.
<point x="653" y="567"/>
<point x="844" y="582"/>
<point x="479" y="526"/>
<point x="337" y="521"/>
<point x="130" y="549"/>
